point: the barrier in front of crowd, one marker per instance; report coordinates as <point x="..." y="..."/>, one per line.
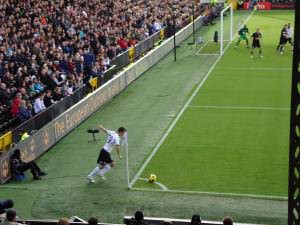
<point x="283" y="4"/>
<point x="6" y="141"/>
<point x="47" y="135"/>
<point x="273" y="4"/>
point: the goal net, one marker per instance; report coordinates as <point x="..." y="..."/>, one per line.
<point x="214" y="43"/>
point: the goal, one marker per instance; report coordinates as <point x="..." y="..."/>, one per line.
<point x="214" y="43"/>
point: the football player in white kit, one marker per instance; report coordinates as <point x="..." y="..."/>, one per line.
<point x="290" y="33"/>
<point x="104" y="159"/>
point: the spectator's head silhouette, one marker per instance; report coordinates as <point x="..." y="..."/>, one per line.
<point x="92" y="221"/>
<point x="139" y="216"/>
<point x="167" y="223"/>
<point x="6" y="204"/>
<point x="196" y="219"/>
<point x="227" y="221"/>
<point x="17" y="154"/>
<point x="11" y="215"/>
<point x="63" y="221"/>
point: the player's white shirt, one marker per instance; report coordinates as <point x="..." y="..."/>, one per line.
<point x="112" y="140"/>
<point x="289" y="32"/>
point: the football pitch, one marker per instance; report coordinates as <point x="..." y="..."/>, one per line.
<point x="233" y="134"/>
<point x="213" y="130"/>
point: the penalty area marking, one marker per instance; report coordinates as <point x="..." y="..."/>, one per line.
<point x="185" y="106"/>
<point x="203" y="46"/>
<point x="237" y="107"/>
<point x="223" y="194"/>
<point x="163" y="187"/>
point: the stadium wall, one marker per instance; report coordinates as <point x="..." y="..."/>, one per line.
<point x="50" y="134"/>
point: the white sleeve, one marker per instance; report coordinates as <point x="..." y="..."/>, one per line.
<point x="117" y="140"/>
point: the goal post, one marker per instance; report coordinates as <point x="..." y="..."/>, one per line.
<point x="222" y="46"/>
<point x="215" y="41"/>
<point x="127" y="159"/>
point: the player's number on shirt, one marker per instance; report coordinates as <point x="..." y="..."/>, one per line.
<point x="109" y="138"/>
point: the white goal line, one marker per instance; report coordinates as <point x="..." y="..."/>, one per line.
<point x="223" y="194"/>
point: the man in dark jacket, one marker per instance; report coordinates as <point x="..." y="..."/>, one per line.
<point x="18" y="166"/>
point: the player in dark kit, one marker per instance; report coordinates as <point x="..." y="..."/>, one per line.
<point x="283" y="39"/>
<point x="256" y="37"/>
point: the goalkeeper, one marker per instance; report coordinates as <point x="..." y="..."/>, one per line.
<point x="243" y="36"/>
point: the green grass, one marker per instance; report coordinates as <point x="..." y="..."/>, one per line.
<point x="230" y="150"/>
<point x="145" y="109"/>
<point x="211" y="47"/>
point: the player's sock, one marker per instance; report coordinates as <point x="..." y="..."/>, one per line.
<point x="104" y="170"/>
<point x="281" y="49"/>
<point x="94" y="172"/>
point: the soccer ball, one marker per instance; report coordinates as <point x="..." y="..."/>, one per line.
<point x="152" y="178"/>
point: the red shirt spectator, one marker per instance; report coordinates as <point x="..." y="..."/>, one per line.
<point x="15" y="107"/>
<point x="132" y="42"/>
<point x="123" y="43"/>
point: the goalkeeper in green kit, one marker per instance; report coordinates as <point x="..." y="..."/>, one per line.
<point x="243" y="36"/>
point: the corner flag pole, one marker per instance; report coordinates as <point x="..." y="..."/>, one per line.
<point x="127" y="159"/>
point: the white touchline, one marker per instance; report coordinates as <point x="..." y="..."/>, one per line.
<point x="238" y="107"/>
<point x="163" y="187"/>
<point x="270" y="197"/>
<point x="165" y="135"/>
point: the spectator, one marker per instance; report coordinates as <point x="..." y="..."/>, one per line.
<point x="6" y="204"/>
<point x="19" y="167"/>
<point x="38" y="87"/>
<point x="39" y="105"/>
<point x="24" y="94"/>
<point x="25" y="111"/>
<point x="167" y="223"/>
<point x="196" y="220"/>
<point x="48" y="100"/>
<point x="63" y="221"/>
<point x="5" y="95"/>
<point x="24" y="135"/>
<point x="227" y="221"/>
<point x="10" y="219"/>
<point x="57" y="95"/>
<point x="92" y="221"/>
<point x="31" y="90"/>
<point x="106" y="61"/>
<point x="123" y="43"/>
<point x="139" y="218"/>
<point x="15" y="108"/>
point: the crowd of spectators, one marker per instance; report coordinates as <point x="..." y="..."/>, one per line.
<point x="8" y="216"/>
<point x="56" y="46"/>
<point x="138" y="219"/>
